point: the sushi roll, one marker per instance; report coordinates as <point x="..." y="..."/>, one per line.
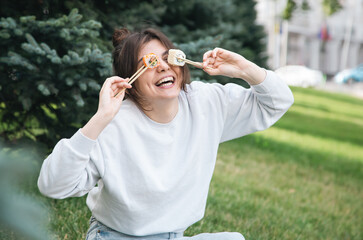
<point x="176" y="57"/>
<point x="151" y="60"/>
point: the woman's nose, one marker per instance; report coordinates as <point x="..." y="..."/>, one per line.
<point x="163" y="66"/>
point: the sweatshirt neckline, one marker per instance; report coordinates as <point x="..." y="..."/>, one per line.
<point x="172" y="122"/>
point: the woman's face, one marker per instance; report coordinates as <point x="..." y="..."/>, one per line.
<point x="160" y="83"/>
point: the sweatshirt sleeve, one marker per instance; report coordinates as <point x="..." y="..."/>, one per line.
<point x="255" y="109"/>
<point x="69" y="171"/>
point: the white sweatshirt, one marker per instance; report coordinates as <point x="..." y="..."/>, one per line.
<point x="143" y="177"/>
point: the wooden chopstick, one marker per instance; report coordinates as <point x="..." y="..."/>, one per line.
<point x="196" y="64"/>
<point x="142" y="67"/>
<point x="135" y="76"/>
<point x="132" y="78"/>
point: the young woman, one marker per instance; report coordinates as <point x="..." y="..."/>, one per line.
<point x="146" y="162"/>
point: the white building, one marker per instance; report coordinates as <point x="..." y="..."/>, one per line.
<point x="344" y="48"/>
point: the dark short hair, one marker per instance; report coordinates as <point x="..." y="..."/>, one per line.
<point x="127" y="46"/>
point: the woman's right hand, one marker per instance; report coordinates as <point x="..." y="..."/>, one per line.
<point x="108" y="106"/>
<point x="111" y="95"/>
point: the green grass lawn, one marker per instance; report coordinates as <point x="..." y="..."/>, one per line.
<point x="300" y="179"/>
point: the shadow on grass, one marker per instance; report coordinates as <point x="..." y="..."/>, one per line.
<point x="321" y="107"/>
<point x="328" y="95"/>
<point x="322" y="127"/>
<point x="324" y="109"/>
<point x="315" y="160"/>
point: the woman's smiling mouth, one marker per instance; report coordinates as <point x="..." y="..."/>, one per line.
<point x="165" y="82"/>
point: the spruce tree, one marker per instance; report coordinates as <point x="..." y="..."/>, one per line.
<point x="51" y="73"/>
<point x="194" y="25"/>
<point x="53" y="64"/>
<point x="197" y="26"/>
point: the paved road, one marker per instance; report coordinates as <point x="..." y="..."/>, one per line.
<point x="355" y="89"/>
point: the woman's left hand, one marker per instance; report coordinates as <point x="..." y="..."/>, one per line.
<point x="226" y="63"/>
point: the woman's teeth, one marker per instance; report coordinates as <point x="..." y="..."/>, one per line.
<point x="165" y="81"/>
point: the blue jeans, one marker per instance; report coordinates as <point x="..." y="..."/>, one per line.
<point x="98" y="231"/>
